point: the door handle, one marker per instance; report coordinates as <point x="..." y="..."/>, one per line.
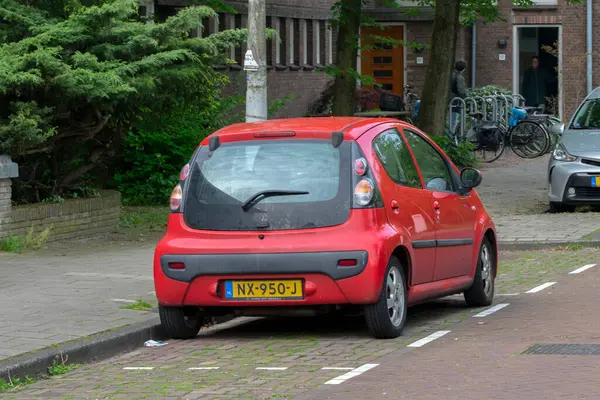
<point x="436" y="205"/>
<point x="395" y="206"/>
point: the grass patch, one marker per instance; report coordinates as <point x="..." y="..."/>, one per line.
<point x="152" y="219"/>
<point x="139" y="305"/>
<point x="574" y="247"/>
<point x="30" y="241"/>
<point x="61" y="368"/>
<point x="14" y="383"/>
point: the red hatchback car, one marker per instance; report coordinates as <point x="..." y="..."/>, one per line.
<point x="309" y="215"/>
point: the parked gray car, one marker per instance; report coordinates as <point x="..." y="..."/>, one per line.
<point x="574" y="167"/>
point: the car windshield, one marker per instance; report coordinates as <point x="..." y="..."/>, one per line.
<point x="220" y="182"/>
<point x="588" y="115"/>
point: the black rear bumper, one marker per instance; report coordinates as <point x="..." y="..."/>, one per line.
<point x="270" y="263"/>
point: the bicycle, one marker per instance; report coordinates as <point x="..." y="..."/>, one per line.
<point x="529" y="134"/>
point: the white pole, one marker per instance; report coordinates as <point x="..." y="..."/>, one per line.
<point x="255" y="62"/>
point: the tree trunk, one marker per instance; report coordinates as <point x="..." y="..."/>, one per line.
<point x="346" y="53"/>
<point x="436" y="93"/>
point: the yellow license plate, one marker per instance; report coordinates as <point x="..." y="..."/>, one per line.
<point x="285" y="289"/>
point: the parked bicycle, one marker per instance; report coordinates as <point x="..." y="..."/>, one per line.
<point x="531" y="134"/>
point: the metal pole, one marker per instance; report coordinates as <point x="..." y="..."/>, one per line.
<point x="589" y="47"/>
<point x="255" y="62"/>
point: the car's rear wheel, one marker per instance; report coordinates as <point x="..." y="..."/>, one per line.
<point x="481" y="293"/>
<point x="386" y="318"/>
<point x="180" y="322"/>
<point x="560" y="207"/>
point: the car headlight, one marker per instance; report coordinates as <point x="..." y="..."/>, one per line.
<point x="560" y="154"/>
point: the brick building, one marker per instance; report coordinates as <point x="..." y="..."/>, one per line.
<point x="496" y="53"/>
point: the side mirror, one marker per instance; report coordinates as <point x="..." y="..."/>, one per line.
<point x="470" y="178"/>
<point x="557" y="129"/>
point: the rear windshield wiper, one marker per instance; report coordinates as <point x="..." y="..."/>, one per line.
<point x="255" y="198"/>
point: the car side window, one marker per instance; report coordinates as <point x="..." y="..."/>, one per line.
<point x="432" y="164"/>
<point x="396" y="159"/>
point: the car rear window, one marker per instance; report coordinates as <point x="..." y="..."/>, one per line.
<point x="221" y="181"/>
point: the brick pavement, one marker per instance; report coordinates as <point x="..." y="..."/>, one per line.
<point x="48" y="298"/>
<point x="305" y="346"/>
<point x="481" y="357"/>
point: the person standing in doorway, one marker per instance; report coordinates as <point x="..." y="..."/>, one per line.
<point x="459" y="89"/>
<point x="535" y="84"/>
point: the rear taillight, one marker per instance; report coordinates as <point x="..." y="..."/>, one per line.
<point x="177" y="265"/>
<point x="184" y="172"/>
<point x="176" y="198"/>
<point x="363" y="192"/>
<point x="360" y="166"/>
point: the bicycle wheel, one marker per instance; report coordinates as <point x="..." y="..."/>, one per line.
<point x="489" y="155"/>
<point x="529" y="139"/>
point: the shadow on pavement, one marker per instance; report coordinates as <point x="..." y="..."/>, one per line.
<point x="337" y="325"/>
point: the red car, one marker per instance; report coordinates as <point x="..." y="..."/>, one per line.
<point x="310" y="215"/>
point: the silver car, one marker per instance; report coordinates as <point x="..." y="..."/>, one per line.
<point x="574" y="167"/>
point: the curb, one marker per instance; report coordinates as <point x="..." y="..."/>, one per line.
<point x="532" y="245"/>
<point x="95" y="347"/>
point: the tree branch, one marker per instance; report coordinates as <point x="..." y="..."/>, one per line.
<point x="77" y="172"/>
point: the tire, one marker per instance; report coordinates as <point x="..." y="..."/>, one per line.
<point x="481" y="293"/>
<point x="561" y="208"/>
<point x="178" y="324"/>
<point x="529" y="145"/>
<point x="386" y="320"/>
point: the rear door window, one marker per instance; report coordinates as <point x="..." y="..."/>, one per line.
<point x="396" y="159"/>
<point x="432" y="164"/>
<point x="221" y="181"/>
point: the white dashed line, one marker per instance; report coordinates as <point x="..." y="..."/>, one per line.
<point x="355" y="372"/>
<point x="272" y="368"/>
<point x="202" y="368"/>
<point x="490" y="310"/>
<point x="430" y="338"/>
<point x="337" y="369"/>
<point x="139" y="368"/>
<point x="541" y="287"/>
<point x="580" y="270"/>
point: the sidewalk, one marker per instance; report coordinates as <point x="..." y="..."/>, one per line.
<point x="514" y="193"/>
<point x="48" y="298"/>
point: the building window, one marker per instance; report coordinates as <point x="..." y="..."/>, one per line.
<point x="297" y="43"/>
<point x="270" y="43"/>
<point x="309" y="44"/>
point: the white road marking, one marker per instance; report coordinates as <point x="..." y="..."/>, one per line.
<point x="202" y="368"/>
<point x="337" y="369"/>
<point x="491" y="310"/>
<point x="355" y="372"/>
<point x="272" y="368"/>
<point x="430" y="338"/>
<point x="541" y="287"/>
<point x="124" y="300"/>
<point x="508" y="294"/>
<point x="139" y="368"/>
<point x="584" y="268"/>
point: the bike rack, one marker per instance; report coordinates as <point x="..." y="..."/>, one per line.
<point x="463" y="113"/>
<point x="473" y="104"/>
<point x="494" y="102"/>
<point x="479" y="99"/>
<point x="504" y="99"/>
<point x="521" y="100"/>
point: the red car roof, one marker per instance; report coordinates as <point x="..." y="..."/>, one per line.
<point x="353" y="127"/>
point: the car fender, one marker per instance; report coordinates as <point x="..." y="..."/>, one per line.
<point x="483" y="224"/>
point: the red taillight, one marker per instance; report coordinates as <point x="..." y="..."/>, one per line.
<point x="360" y="166"/>
<point x="184" y="172"/>
<point x="347" y="263"/>
<point x="176" y="198"/>
<point x="176" y="265"/>
<point x="363" y="192"/>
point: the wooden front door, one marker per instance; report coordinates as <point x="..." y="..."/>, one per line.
<point x="383" y="62"/>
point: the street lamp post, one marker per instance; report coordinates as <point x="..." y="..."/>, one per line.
<point x="255" y="62"/>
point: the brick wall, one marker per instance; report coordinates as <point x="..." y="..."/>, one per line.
<point x="75" y="218"/>
<point x="572" y="18"/>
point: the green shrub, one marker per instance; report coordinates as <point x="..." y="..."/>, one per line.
<point x="463" y="154"/>
<point x="488" y="90"/>
<point x="159" y="146"/>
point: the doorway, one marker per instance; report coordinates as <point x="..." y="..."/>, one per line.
<point x="542" y="42"/>
<point x="382" y="61"/>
